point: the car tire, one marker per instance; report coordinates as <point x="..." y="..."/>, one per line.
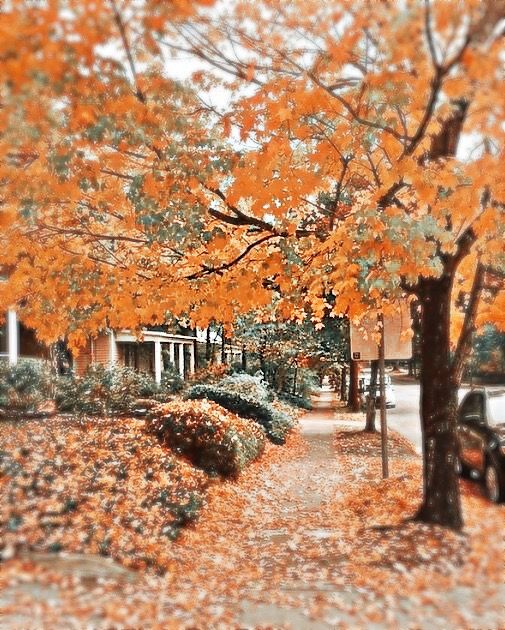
<point x="461" y="468"/>
<point x="494" y="483"/>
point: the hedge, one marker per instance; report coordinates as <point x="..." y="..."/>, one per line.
<point x="24" y="386"/>
<point x="112" y="390"/>
<point x="275" y="423"/>
<point x="211" y="437"/>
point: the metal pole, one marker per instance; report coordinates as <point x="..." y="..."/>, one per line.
<point x="384" y="425"/>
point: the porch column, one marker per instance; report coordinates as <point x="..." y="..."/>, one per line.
<point x="172" y="354"/>
<point x="112" y="348"/>
<point x="12" y="337"/>
<point x="157" y="361"/>
<point x="192" y="359"/>
<point x="181" y="359"/>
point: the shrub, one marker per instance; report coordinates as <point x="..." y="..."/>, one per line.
<point x="211" y="437"/>
<point x="296" y="401"/>
<point x="171" y="381"/>
<point x="24" y="386"/>
<point x="210" y="374"/>
<point x="275" y="423"/>
<point x="104" y="390"/>
<point x="98" y="487"/>
<point x="252" y="387"/>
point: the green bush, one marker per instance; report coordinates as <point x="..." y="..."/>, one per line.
<point x="113" y="390"/>
<point x="211" y="437"/>
<point x="24" y="386"/>
<point x="275" y="423"/>
<point x="171" y="380"/>
<point x="252" y="387"/>
<point x="104" y="390"/>
<point x="96" y="488"/>
<point x="296" y="401"/>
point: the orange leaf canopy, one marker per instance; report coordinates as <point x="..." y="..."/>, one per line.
<point x="126" y="197"/>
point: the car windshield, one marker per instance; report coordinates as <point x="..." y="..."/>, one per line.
<point x="472" y="408"/>
<point x="496" y="408"/>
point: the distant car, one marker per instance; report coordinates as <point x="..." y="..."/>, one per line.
<point x="364" y="388"/>
<point x="481" y="440"/>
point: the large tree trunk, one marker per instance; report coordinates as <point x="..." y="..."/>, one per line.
<point x="343" y="384"/>
<point x="354" y="401"/>
<point x="439" y="399"/>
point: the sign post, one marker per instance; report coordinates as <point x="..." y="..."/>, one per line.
<point x="384" y="424"/>
<point x="390" y="343"/>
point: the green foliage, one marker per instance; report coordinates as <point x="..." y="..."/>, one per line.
<point x="210" y="374"/>
<point x="171" y="380"/>
<point x="296" y="401"/>
<point x="284" y="350"/>
<point x="275" y="423"/>
<point x="109" y="390"/>
<point x="212" y="438"/>
<point x="253" y="387"/>
<point x="488" y="357"/>
<point x="24" y="386"/>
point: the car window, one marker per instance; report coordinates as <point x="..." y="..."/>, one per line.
<point x="472" y="409"/>
<point x="496" y="409"/>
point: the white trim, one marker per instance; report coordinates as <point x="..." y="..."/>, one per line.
<point x="12" y="337"/>
<point x="192" y="359"/>
<point x="172" y="353"/>
<point x="152" y="335"/>
<point x="157" y="361"/>
<point x="181" y="360"/>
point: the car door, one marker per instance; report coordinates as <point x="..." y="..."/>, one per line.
<point x="471" y="431"/>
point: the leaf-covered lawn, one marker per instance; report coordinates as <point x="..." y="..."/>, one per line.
<point x="99" y="487"/>
<point x="306" y="530"/>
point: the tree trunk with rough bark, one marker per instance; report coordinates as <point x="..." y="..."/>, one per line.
<point x="354" y="402"/>
<point x="439" y="400"/>
<point x="372" y="395"/>
<point x="343" y="384"/>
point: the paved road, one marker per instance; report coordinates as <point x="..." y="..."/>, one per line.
<point x="404" y="418"/>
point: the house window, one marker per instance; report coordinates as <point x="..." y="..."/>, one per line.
<point x="131" y="355"/>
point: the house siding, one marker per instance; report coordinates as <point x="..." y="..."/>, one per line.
<point x="97" y="350"/>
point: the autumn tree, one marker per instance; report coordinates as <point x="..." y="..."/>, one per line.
<point x="368" y="103"/>
<point x="340" y="187"/>
<point x="289" y="352"/>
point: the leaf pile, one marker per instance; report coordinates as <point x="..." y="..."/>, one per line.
<point x="98" y="487"/>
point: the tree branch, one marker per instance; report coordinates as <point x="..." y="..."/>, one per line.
<point x="207" y="271"/>
<point x="465" y="339"/>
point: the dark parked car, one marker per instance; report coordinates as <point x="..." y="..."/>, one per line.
<point x="481" y="437"/>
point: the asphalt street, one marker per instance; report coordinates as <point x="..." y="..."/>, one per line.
<point x="404" y="418"/>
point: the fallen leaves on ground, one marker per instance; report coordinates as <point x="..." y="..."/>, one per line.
<point x="99" y="487"/>
<point x="309" y="527"/>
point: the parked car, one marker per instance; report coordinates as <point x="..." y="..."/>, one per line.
<point x="364" y="388"/>
<point x="481" y="440"/>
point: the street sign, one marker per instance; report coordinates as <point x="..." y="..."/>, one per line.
<point x="365" y="337"/>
